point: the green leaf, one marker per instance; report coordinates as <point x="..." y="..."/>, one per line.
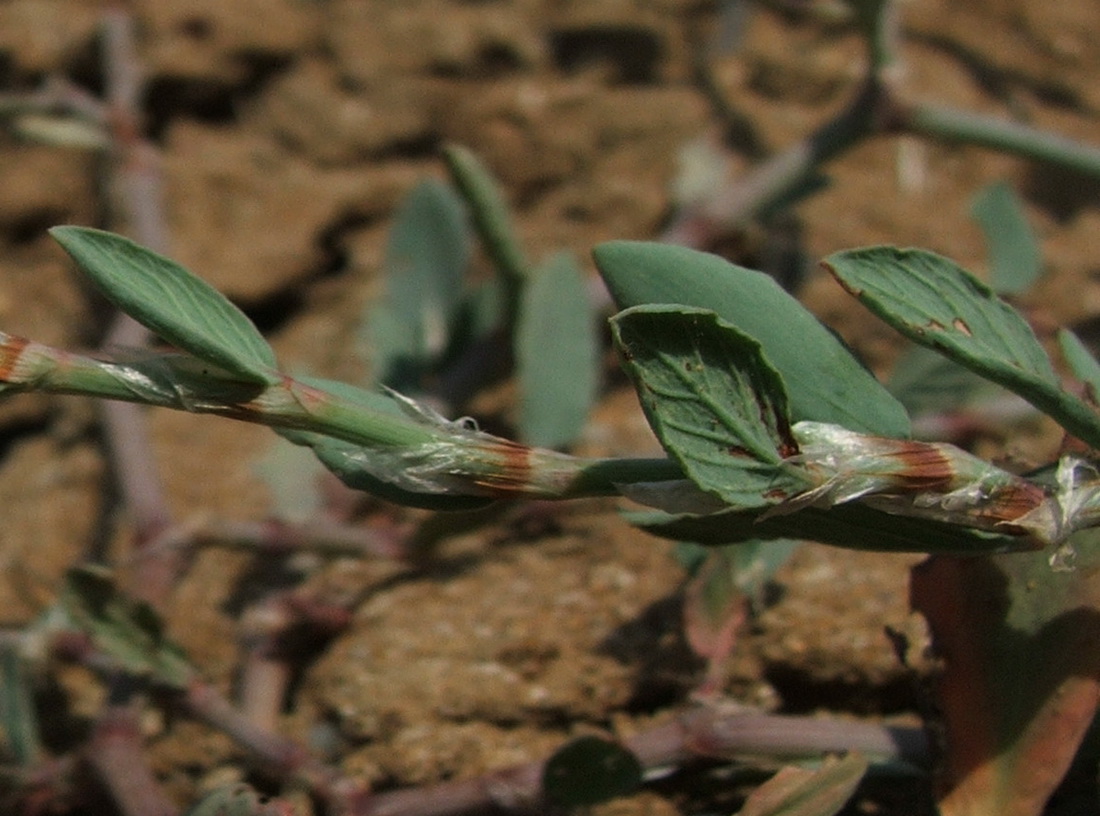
<point x="352" y="465"/>
<point x="1080" y="360"/>
<point x="1015" y="260"/>
<point x="721" y="591"/>
<point x="926" y="382"/>
<point x="18" y="720"/>
<point x="940" y="305"/>
<point x="1021" y="672"/>
<point x="803" y="792"/>
<point x="291" y="474"/>
<point x="356" y="466"/>
<point x="934" y="302"/>
<point x="179" y="307"/>
<point x="230" y="800"/>
<point x="590" y="770"/>
<point x="824" y="381"/>
<point x="852" y="526"/>
<point x="128" y="631"/>
<point x="425" y="266"/>
<point x="556" y="354"/>
<point x="713" y="400"/>
<point x="489" y="211"/>
<point x="484" y="308"/>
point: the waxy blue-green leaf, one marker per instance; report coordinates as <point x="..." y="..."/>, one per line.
<point x="713" y="400"/>
<point x="1080" y="360"/>
<point x="237" y="799"/>
<point x="824" y="381"/>
<point x="488" y="210"/>
<point x="179" y="307"/>
<point x="803" y="792"/>
<point x="750" y="564"/>
<point x="19" y="732"/>
<point x="351" y="463"/>
<point x="126" y="630"/>
<point x="292" y="476"/>
<point x="934" y="302"/>
<point x="852" y="526"/>
<point x="928" y="383"/>
<point x="1015" y="260"/>
<point x="556" y="348"/>
<point x="425" y="266"/>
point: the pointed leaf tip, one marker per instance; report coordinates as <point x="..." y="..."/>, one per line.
<point x="179" y="307"/>
<point x="934" y="302"/>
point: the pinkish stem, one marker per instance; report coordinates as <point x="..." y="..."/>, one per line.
<point x="137" y="182"/>
<point x="699" y="732"/>
<point x="116" y="751"/>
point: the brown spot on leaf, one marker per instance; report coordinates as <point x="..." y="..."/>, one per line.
<point x="788" y="446"/>
<point x="935" y="325"/>
<point x="960" y="326"/>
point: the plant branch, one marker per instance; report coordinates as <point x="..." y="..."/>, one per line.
<point x="780" y="177"/>
<point x="943" y="122"/>
<point x="428" y="454"/>
<point x="272" y="635"/>
<point x="136" y="186"/>
<point x="115" y="750"/>
<point x="700" y="732"/>
<point x="879" y="107"/>
<point x="280" y="756"/>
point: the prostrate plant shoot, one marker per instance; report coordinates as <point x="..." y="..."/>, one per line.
<point x="743" y="439"/>
<point x="773" y="430"/>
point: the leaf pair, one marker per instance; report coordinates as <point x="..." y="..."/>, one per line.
<point x="547" y="312"/>
<point x="722" y="374"/>
<point x="430" y="324"/>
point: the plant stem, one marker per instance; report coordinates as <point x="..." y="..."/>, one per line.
<point x="944" y="122"/>
<point x="20" y="723"/>
<point x="781" y="176"/>
<point x="116" y="752"/>
<point x="277" y="537"/>
<point x="136" y="183"/>
<point x="879" y="107"/>
<point x="267" y="634"/>
<point x="432" y="455"/>
<point x="700" y="732"/>
<point x="282" y="757"/>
